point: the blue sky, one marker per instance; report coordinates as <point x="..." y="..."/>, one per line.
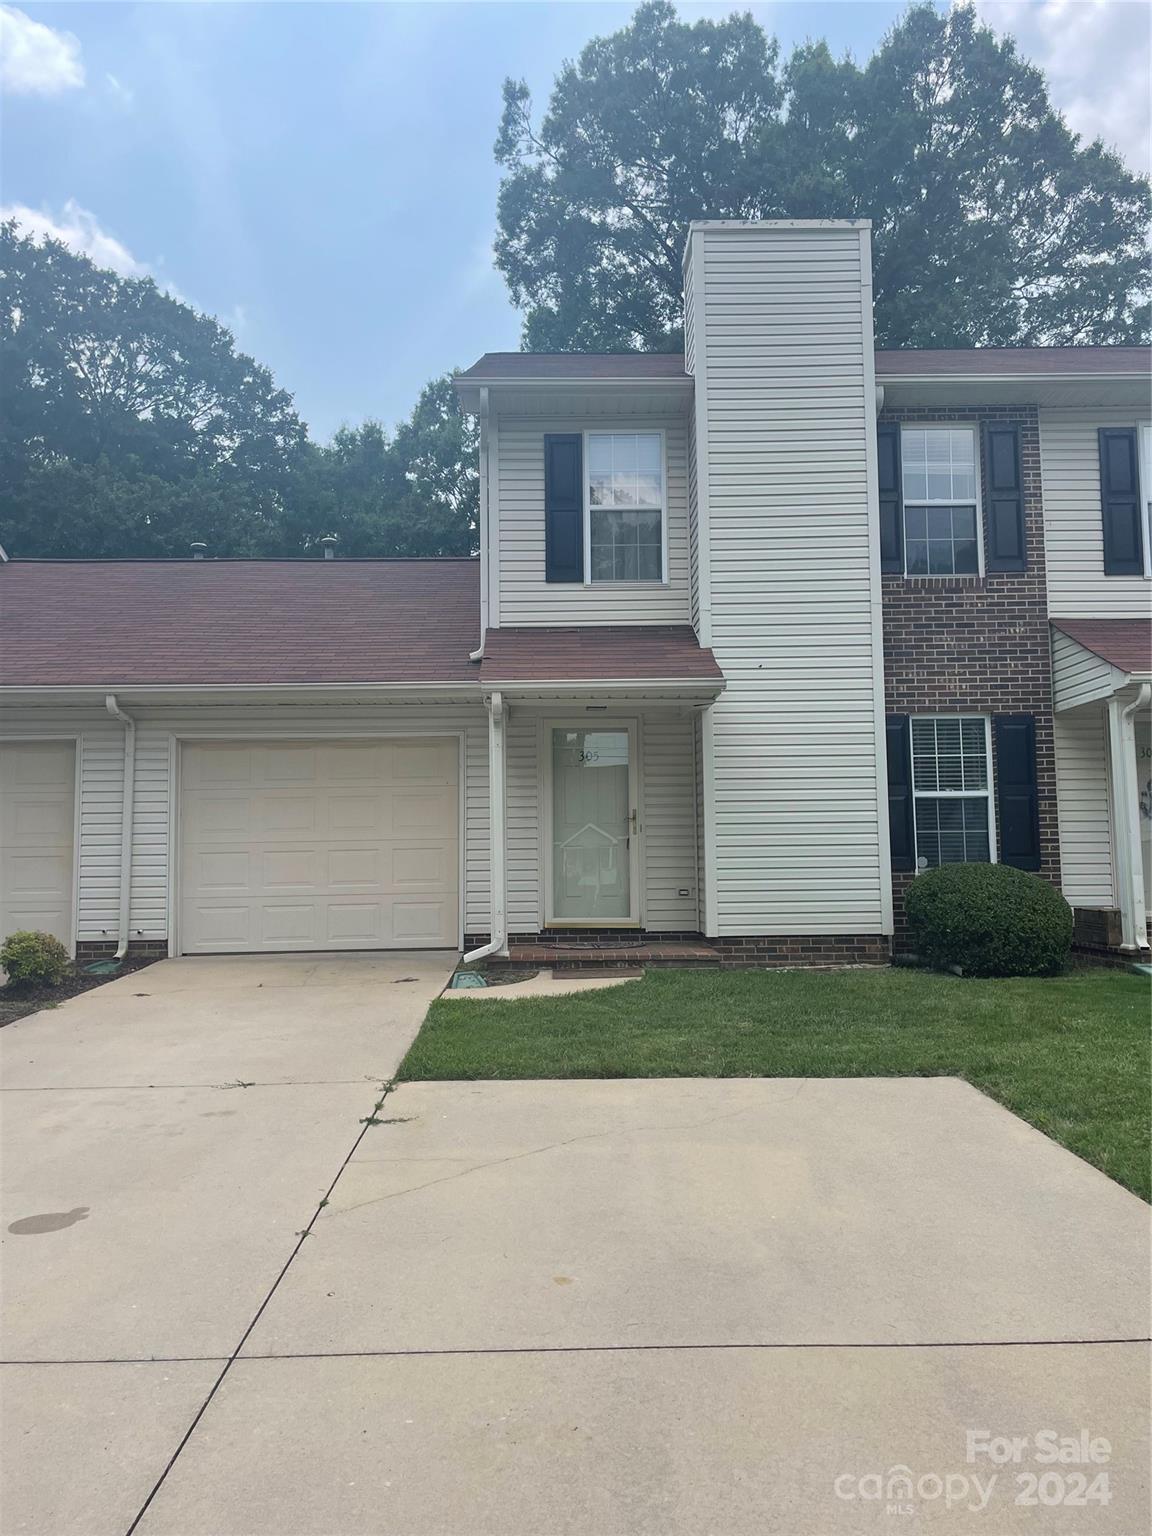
<point x="320" y="176"/>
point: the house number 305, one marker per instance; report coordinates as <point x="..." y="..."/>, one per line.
<point x="589" y="757"/>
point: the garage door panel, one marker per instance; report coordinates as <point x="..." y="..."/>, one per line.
<point x="37" y="815"/>
<point x="330" y="845"/>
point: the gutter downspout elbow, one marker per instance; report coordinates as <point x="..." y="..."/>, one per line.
<point x="498" y="942"/>
<point x="127" y="805"/>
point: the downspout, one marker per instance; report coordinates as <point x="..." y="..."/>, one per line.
<point x="1126" y="820"/>
<point x="478" y="654"/>
<point x="498" y="943"/>
<point x="126" y="809"/>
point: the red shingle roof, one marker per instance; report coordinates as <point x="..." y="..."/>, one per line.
<point x="1124" y="643"/>
<point x="914" y="362"/>
<point x="187" y="622"/>
<point x="618" y="653"/>
<point x="515" y="366"/>
<point x="907" y="362"/>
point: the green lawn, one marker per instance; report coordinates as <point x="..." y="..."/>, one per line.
<point x="1071" y="1054"/>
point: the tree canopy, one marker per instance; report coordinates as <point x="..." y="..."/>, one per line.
<point x="992" y="223"/>
<point x="131" y="425"/>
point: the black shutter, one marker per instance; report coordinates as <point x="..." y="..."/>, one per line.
<point x="1004" y="498"/>
<point x="1016" y="799"/>
<point x="900" y="821"/>
<point x="563" y="507"/>
<point x="1120" y="502"/>
<point x="891" y="506"/>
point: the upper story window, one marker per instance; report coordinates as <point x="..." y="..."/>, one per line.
<point x="625" y="477"/>
<point x="938" y="466"/>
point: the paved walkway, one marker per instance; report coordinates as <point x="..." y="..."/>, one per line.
<point x="627" y="1308"/>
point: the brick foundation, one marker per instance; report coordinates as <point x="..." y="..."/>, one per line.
<point x="610" y="950"/>
<point x="979" y="644"/>
<point x="104" y="949"/>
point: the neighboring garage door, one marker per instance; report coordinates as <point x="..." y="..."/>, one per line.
<point x="319" y="845"/>
<point x="37" y="812"/>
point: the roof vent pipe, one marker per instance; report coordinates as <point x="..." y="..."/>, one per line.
<point x="329" y="543"/>
<point x="198" y="550"/>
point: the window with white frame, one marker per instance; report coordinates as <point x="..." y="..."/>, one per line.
<point x="625" y="506"/>
<point x="938" y="469"/>
<point x="951" y="790"/>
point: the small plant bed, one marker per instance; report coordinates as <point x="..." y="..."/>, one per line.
<point x="1069" y="1054"/>
<point x="18" y="1000"/>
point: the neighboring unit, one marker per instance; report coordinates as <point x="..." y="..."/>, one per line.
<point x="755" y="633"/>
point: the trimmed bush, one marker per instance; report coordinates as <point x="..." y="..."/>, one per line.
<point x="988" y="920"/>
<point x="31" y="958"/>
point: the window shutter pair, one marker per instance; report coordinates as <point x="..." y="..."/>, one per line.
<point x="1003" y="499"/>
<point x="1017" y="797"/>
<point x="563" y="506"/>
<point x="1120" y="502"/>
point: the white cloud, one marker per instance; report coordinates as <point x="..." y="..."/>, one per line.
<point x="80" y="231"/>
<point x="1097" y="56"/>
<point x="36" y="60"/>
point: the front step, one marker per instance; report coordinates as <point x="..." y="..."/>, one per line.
<point x="569" y="959"/>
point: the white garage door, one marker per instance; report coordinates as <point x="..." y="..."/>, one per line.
<point x="37" y="810"/>
<point x="319" y="845"/>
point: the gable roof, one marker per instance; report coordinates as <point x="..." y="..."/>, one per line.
<point x="108" y="624"/>
<point x="1125" y="644"/>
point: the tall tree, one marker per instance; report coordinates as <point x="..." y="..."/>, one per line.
<point x="130" y="425"/>
<point x="993" y="225"/>
<point x="414" y="493"/>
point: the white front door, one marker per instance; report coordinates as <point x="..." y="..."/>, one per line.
<point x="37" y="811"/>
<point x="593" y="824"/>
<point x="320" y="845"/>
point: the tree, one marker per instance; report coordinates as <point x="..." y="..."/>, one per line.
<point x="992" y="224"/>
<point x="414" y="493"/>
<point x="97" y="365"/>
<point x="130" y="425"/>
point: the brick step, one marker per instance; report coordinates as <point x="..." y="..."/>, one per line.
<point x="569" y="959"/>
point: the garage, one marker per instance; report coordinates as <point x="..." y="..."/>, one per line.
<point x="299" y="845"/>
<point x="37" y="820"/>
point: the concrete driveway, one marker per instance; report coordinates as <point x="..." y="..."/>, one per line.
<point x="619" y="1308"/>
<point x="165" y="1138"/>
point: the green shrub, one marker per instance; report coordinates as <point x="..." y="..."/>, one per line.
<point x="33" y="957"/>
<point x="988" y="920"/>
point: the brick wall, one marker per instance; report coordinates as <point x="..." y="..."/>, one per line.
<point x="978" y="643"/>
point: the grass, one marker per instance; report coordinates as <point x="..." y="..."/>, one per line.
<point x="1070" y="1054"/>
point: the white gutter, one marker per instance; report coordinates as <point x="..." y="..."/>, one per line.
<point x="126" y="809"/>
<point x="498" y="943"/>
<point x="1126" y="818"/>
<point x="478" y="653"/>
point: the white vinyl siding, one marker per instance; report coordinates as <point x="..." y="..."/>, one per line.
<point x="798" y="820"/>
<point x="1078" y="675"/>
<point x="1073" y="519"/>
<point x="1083" y="807"/>
<point x="525" y="597"/>
<point x="101" y="759"/>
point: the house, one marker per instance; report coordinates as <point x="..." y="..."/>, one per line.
<point x="755" y="633"/>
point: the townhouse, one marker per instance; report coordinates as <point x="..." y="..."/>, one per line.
<point x="755" y="634"/>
